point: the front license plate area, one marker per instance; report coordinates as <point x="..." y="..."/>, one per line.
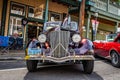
<point x="34" y="51"/>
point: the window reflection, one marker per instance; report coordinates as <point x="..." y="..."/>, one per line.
<point x="15" y="25"/>
<point x="18" y="9"/>
<point x="36" y="12"/>
<point x="31" y="12"/>
<point x="53" y="16"/>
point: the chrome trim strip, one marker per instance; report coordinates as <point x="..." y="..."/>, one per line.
<point x="63" y="59"/>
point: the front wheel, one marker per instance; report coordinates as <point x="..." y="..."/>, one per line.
<point x="115" y="59"/>
<point x="31" y="65"/>
<point x="88" y="66"/>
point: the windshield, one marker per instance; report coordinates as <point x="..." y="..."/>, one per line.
<point x="71" y="26"/>
<point x="111" y="37"/>
<point x="51" y="25"/>
<point x="57" y="25"/>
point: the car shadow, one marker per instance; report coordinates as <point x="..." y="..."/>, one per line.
<point x="101" y="58"/>
<point x="61" y="72"/>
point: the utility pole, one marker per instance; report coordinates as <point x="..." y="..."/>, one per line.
<point x="81" y="17"/>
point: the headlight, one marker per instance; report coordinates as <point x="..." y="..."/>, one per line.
<point x="42" y="38"/>
<point x="76" y="38"/>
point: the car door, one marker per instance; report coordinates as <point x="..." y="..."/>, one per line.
<point x="108" y="45"/>
<point x="106" y="48"/>
<point x="115" y="45"/>
<point x="102" y="48"/>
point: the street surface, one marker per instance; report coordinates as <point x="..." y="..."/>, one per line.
<point x="16" y="70"/>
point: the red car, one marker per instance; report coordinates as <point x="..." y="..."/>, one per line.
<point x="110" y="48"/>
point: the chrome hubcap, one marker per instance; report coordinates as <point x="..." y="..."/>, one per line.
<point x="114" y="58"/>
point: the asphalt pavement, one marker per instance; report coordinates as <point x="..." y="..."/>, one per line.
<point x="16" y="70"/>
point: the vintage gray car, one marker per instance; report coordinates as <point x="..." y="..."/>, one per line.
<point x="61" y="44"/>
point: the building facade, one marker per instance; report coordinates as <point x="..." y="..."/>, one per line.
<point x="39" y="11"/>
<point x="108" y="17"/>
<point x="35" y="11"/>
<point x="1" y="5"/>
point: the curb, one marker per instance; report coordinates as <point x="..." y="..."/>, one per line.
<point x="11" y="58"/>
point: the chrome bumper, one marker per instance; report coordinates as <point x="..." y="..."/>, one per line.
<point x="60" y="60"/>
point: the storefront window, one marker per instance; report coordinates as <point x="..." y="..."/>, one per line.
<point x="15" y="25"/>
<point x="31" y="12"/>
<point x="36" y="12"/>
<point x="53" y="16"/>
<point x="18" y="9"/>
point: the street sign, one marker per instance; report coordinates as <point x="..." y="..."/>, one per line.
<point x="24" y="21"/>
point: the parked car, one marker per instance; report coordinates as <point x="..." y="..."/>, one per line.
<point x="109" y="48"/>
<point x="61" y="45"/>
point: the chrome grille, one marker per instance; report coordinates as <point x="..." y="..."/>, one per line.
<point x="59" y="41"/>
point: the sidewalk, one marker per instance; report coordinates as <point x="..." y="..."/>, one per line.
<point x="13" y="55"/>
